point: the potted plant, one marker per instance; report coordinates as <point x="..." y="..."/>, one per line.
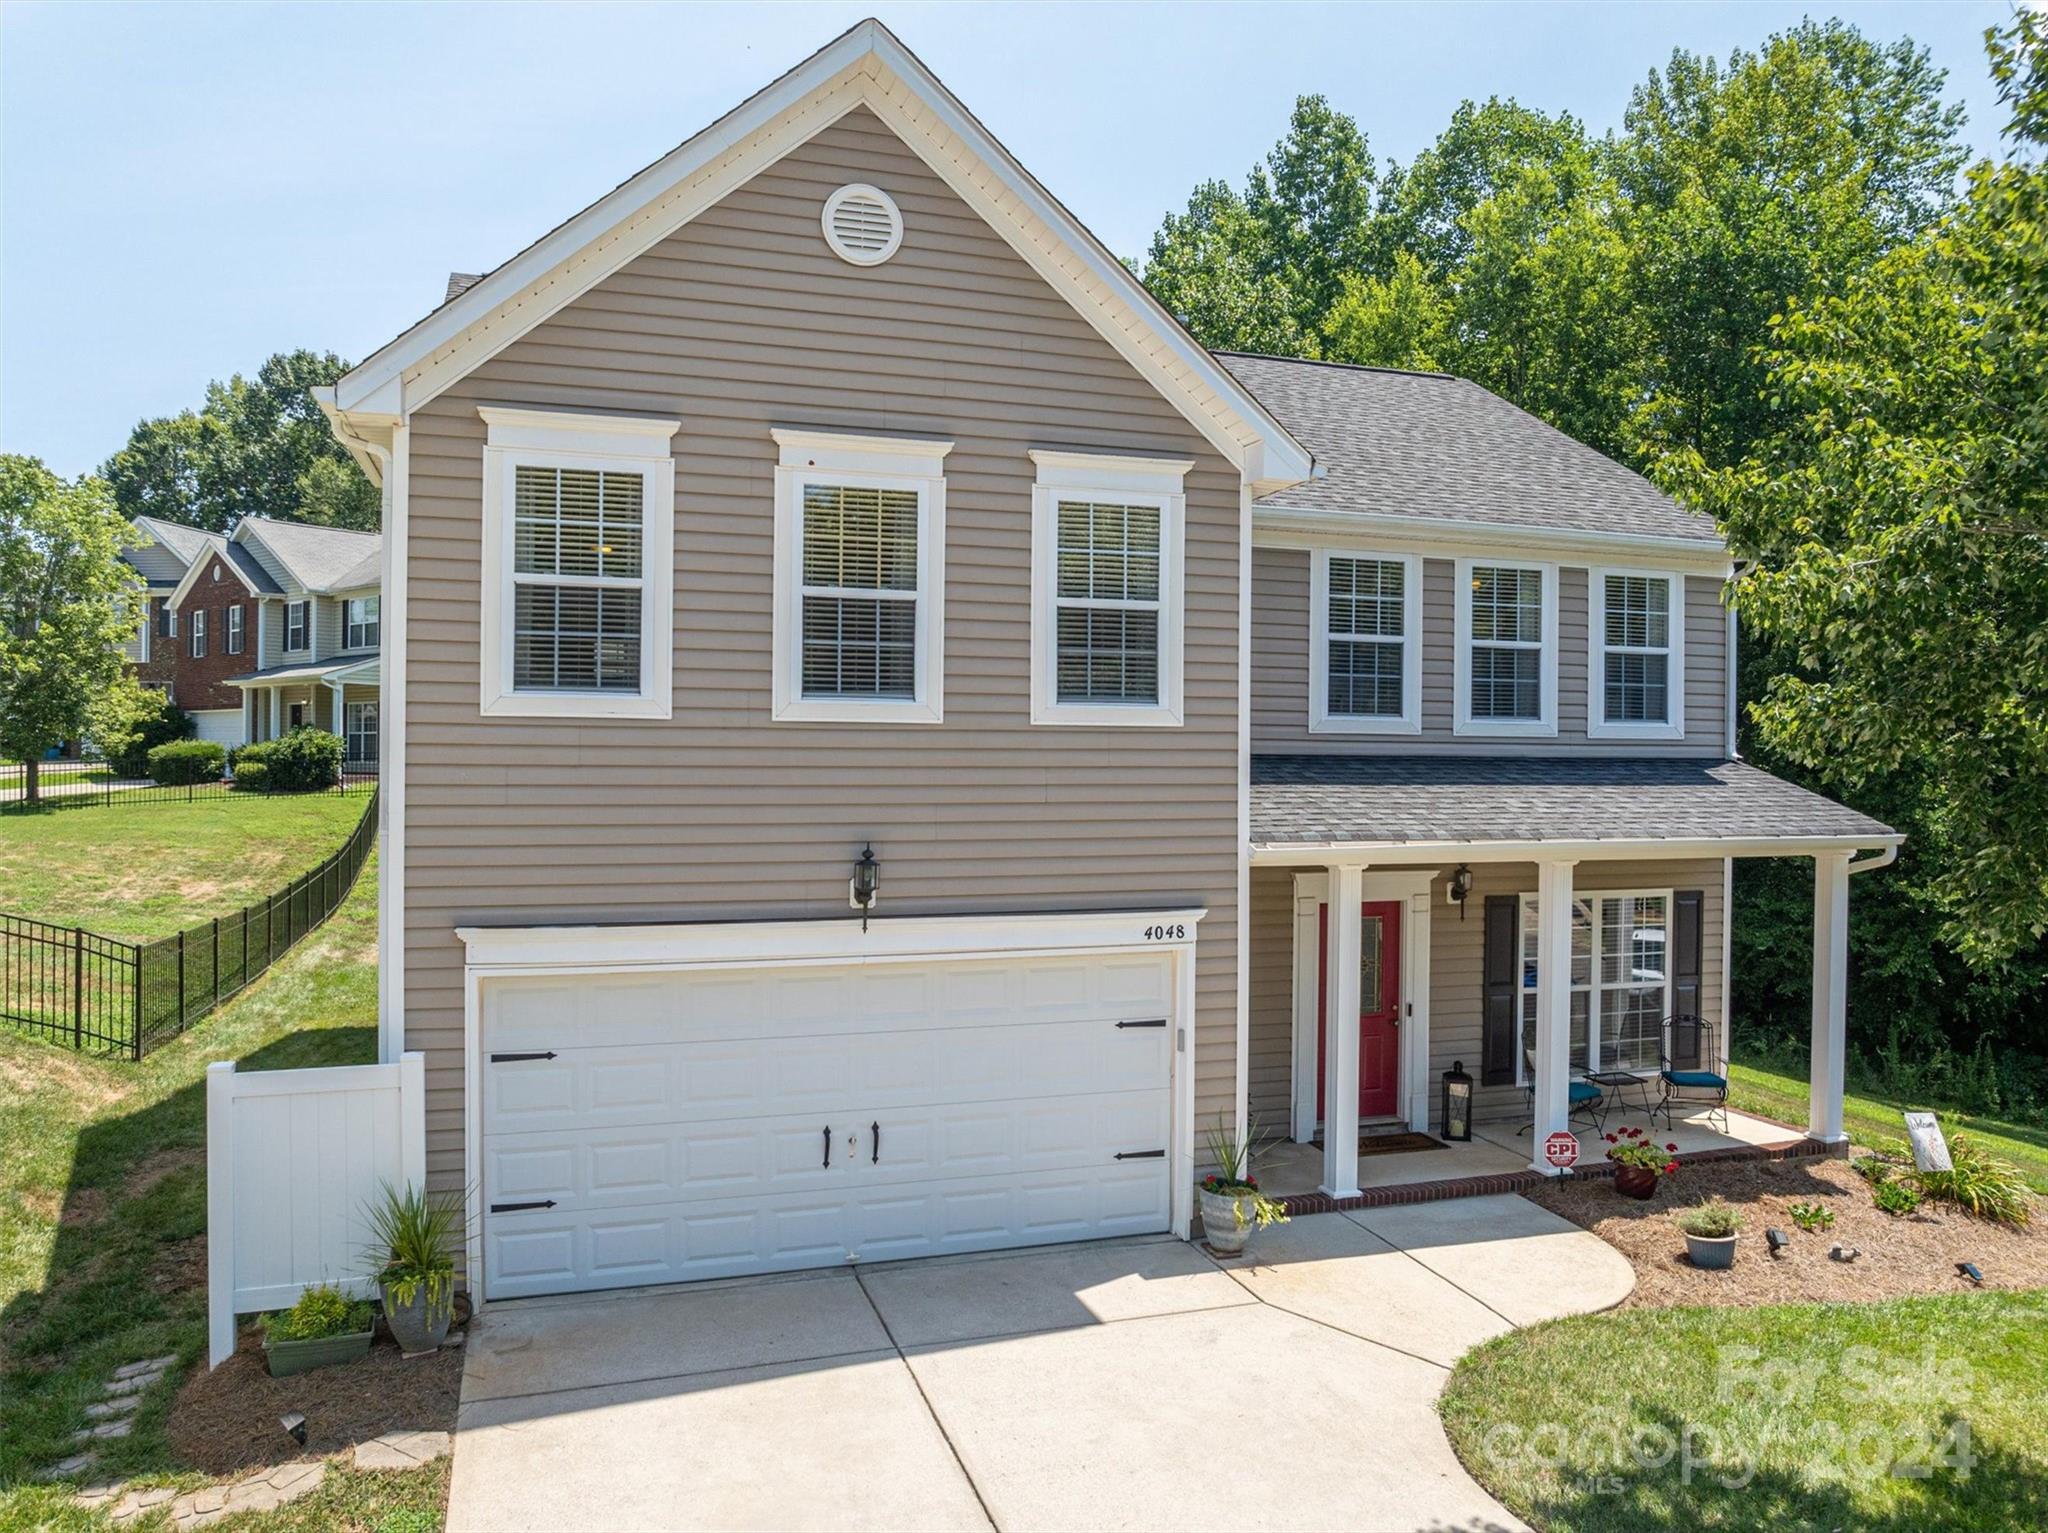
<point x="1232" y="1205"/>
<point x="326" y="1326"/>
<point x="1638" y="1163"/>
<point x="414" y="1258"/>
<point x="1711" y="1230"/>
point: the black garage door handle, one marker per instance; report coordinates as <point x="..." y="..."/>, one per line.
<point x="513" y="1208"/>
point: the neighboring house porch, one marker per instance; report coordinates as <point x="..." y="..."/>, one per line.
<point x="1540" y="921"/>
<point x="341" y="696"/>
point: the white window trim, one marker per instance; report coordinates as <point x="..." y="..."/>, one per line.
<point x="1320" y="720"/>
<point x="870" y="462"/>
<point x="305" y="643"/>
<point x="234" y="625"/>
<point x="196" y="642"/>
<point x="570" y="439"/>
<point x="1597" y="725"/>
<point x="1505" y="729"/>
<point x="1124" y="480"/>
<point x="1594" y="988"/>
<point x="350" y="624"/>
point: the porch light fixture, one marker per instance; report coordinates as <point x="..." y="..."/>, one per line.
<point x="1457" y="1102"/>
<point x="863" y="887"/>
<point x="1460" y="888"/>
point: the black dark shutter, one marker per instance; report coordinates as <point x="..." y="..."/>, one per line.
<point x="1499" y="992"/>
<point x="1687" y="923"/>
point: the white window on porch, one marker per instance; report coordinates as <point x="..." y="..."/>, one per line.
<point x="361" y="737"/>
<point x="1621" y="981"/>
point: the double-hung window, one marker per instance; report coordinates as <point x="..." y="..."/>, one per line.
<point x="166" y="619"/>
<point x="578" y="566"/>
<point x="297" y="626"/>
<point x="234" y="629"/>
<point x="1621" y="980"/>
<point x="362" y="619"/>
<point x="361" y="736"/>
<point x="859" y="578"/>
<point x="1636" y="681"/>
<point x="198" y="632"/>
<point x="1365" y="659"/>
<point x="1506" y="681"/>
<point x="1107" y="597"/>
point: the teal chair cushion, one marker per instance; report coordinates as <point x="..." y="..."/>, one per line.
<point x="1584" y="1091"/>
<point x="1703" y="1079"/>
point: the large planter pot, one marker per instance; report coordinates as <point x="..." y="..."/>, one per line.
<point x="1636" y="1182"/>
<point x="1711" y="1251"/>
<point x="418" y="1326"/>
<point x="1222" y="1229"/>
<point x="289" y="1357"/>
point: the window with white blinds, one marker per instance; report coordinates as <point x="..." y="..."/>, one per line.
<point x="860" y="584"/>
<point x="578" y="552"/>
<point x="1636" y="680"/>
<point x="1507" y="648"/>
<point x="1106" y="625"/>
<point x="1365" y="663"/>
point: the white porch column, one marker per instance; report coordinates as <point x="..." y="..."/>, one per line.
<point x="1830" y="996"/>
<point x="1340" y="1035"/>
<point x="276" y="713"/>
<point x="1415" y="1019"/>
<point x="1553" y="1007"/>
<point x="334" y="692"/>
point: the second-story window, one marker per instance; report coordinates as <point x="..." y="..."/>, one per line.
<point x="1365" y="667"/>
<point x="1637" y="673"/>
<point x="363" y="621"/>
<point x="859" y="578"/>
<point x="296" y="635"/>
<point x="234" y="629"/>
<point x="166" y="619"/>
<point x="198" y="633"/>
<point x="1506" y="681"/>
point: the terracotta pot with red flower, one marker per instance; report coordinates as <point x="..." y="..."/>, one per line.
<point x="1639" y="1162"/>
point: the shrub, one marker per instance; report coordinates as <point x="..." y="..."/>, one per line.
<point x="156" y="721"/>
<point x="1983" y="1184"/>
<point x="1895" y="1197"/>
<point x="188" y="761"/>
<point x="300" y="761"/>
<point x="1812" y="1216"/>
<point x="322" y="1310"/>
<point x="1709" y="1221"/>
<point x="251" y="776"/>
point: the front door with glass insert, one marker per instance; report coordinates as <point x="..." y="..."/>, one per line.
<point x="1379" y="1008"/>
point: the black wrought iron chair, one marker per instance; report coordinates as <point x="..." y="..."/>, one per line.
<point x="1689" y="1069"/>
<point x="1583" y="1099"/>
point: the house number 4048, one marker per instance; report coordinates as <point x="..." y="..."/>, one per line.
<point x="1175" y="933"/>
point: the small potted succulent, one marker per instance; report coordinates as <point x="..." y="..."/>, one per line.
<point x="1232" y="1205"/>
<point x="325" y="1327"/>
<point x="1711" y="1230"/>
<point x="413" y="1255"/>
<point x="1639" y="1164"/>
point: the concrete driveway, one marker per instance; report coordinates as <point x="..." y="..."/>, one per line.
<point x="1124" y="1384"/>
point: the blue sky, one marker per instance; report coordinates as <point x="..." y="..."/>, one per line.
<point x="185" y="189"/>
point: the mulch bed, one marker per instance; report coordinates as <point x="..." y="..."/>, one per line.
<point x="1916" y="1254"/>
<point x="227" y="1420"/>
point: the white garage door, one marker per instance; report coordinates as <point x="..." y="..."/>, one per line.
<point x="660" y="1128"/>
<point x="222" y="724"/>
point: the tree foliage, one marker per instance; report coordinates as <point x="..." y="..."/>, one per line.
<point x="257" y="447"/>
<point x="67" y="603"/>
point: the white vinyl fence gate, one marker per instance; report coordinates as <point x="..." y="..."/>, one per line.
<point x="293" y="1159"/>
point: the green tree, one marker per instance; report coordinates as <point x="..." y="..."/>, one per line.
<point x="68" y="602"/>
<point x="1899" y="524"/>
<point x="1314" y="197"/>
<point x="1401" y="320"/>
<point x="1213" y="269"/>
<point x="257" y="447"/>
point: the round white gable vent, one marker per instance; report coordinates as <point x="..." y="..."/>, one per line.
<point x="862" y="224"/>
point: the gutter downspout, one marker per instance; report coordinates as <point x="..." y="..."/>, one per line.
<point x="1870" y="863"/>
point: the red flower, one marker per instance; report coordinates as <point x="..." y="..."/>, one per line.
<point x="1612" y="1140"/>
<point x="1672" y="1169"/>
<point x="1671" y="1147"/>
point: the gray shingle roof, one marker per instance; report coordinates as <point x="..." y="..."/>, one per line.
<point x="319" y="558"/>
<point x="1441" y="448"/>
<point x="180" y="539"/>
<point x="1314" y="800"/>
<point x="252" y="571"/>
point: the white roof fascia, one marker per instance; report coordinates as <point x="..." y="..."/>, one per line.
<point x="1296" y="526"/>
<point x="867" y="66"/>
<point x="199" y="563"/>
<point x="1621" y="849"/>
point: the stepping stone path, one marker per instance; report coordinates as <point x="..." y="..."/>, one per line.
<point x="112" y="1417"/>
<point x="401" y="1450"/>
<point x="196" y="1508"/>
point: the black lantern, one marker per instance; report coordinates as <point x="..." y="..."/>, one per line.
<point x="866" y="881"/>
<point x="1460" y="888"/>
<point x="1457" y="1102"/>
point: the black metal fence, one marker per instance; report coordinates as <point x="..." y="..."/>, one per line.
<point x="104" y="996"/>
<point x="93" y="785"/>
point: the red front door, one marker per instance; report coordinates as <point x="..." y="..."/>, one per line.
<point x="1379" y="1008"/>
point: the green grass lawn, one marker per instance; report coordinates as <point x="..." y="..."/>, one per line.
<point x="1799" y="1417"/>
<point x="55" y="772"/>
<point x="103" y="1211"/>
<point x="1874" y="1120"/>
<point x="145" y="870"/>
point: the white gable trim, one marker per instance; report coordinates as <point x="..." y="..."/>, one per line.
<point x="866" y="66"/>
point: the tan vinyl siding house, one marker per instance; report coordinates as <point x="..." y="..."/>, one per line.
<point x="741" y="321"/>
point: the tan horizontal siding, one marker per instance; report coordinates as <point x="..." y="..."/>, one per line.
<point x="740" y="321"/>
<point x="1280" y="664"/>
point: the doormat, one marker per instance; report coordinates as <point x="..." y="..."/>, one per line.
<point x="1396" y="1144"/>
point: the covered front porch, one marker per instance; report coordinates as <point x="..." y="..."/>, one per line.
<point x="1554" y="929"/>
<point x="340" y="696"/>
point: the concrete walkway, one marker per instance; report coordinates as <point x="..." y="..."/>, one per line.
<point x="1122" y="1384"/>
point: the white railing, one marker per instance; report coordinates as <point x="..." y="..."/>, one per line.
<point x="293" y="1159"/>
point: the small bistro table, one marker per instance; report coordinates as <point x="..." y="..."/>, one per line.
<point x="1613" y="1083"/>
